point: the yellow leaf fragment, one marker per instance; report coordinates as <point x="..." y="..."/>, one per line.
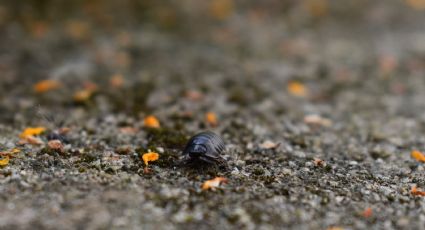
<point x="418" y="156"/>
<point x="151" y="156"/>
<point x="32" y="131"/>
<point x="151" y="122"/>
<point x="297" y="89"/>
<point x="15" y="151"/>
<point x="211" y="119"/>
<point x="4" y="161"/>
<point x="335" y="228"/>
<point x="10" y="153"/>
<point x="46" y="85"/>
<point x="214" y="183"/>
<point x="82" y="95"/>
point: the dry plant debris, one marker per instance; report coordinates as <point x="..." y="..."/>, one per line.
<point x="56" y="145"/>
<point x="315" y="119"/>
<point x="319" y="162"/>
<point x="213" y="184"/>
<point x="269" y="145"/>
<point x="417" y="192"/>
<point x="10" y="153"/>
<point x="28" y="136"/>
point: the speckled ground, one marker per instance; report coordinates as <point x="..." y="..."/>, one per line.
<point x="362" y="66"/>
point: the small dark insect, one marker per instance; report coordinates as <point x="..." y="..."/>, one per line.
<point x="56" y="136"/>
<point x="205" y="147"/>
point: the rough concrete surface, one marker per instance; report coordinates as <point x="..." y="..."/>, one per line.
<point x="320" y="104"/>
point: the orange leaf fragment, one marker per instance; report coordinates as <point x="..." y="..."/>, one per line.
<point x="151" y="156"/>
<point x="214" y="183"/>
<point x="297" y="89"/>
<point x="211" y="119"/>
<point x="418" y="155"/>
<point x="116" y="81"/>
<point x="151" y="122"/>
<point x="368" y="212"/>
<point x="417" y="192"/>
<point x="32" y="131"/>
<point x="416" y="4"/>
<point x="46" y="85"/>
<point x="4" y="161"/>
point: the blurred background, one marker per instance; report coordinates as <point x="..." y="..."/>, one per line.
<point x="244" y="50"/>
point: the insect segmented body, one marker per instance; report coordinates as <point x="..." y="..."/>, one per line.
<point x="205" y="147"/>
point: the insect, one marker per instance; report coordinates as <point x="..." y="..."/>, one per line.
<point x="205" y="147"/>
<point x="57" y="136"/>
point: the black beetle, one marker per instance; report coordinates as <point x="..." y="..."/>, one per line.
<point x="205" y="147"/>
<point x="56" y="136"/>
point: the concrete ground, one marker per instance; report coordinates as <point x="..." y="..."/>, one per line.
<point x="320" y="104"/>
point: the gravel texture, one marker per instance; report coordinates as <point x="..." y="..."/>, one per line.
<point x="360" y="70"/>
